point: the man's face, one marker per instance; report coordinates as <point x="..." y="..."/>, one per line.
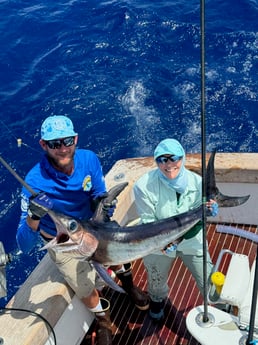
<point x="60" y="151"/>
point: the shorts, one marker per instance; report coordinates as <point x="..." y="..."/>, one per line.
<point x="79" y="275"/>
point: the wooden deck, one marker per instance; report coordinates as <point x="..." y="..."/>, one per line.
<point x="132" y="327"/>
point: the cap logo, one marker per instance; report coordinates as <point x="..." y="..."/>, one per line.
<point x="59" y="125"/>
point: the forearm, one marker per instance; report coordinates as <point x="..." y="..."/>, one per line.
<point x="26" y="236"/>
<point x="32" y="223"/>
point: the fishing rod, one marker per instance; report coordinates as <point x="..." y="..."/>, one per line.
<point x="18" y="178"/>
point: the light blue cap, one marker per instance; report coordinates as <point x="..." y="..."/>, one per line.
<point x="57" y="126"/>
<point x="169" y="147"/>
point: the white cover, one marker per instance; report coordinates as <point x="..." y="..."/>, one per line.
<point x="245" y="307"/>
<point x="236" y="281"/>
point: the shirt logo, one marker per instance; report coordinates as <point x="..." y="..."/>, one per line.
<point x="86" y="184"/>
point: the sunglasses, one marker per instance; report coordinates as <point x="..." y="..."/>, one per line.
<point x="164" y="159"/>
<point x="57" y="143"/>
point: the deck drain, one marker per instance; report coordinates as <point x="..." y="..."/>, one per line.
<point x="119" y="177"/>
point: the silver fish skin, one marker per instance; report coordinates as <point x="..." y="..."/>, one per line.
<point x="110" y="244"/>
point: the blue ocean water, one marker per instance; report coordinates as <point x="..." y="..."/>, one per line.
<point x="128" y="75"/>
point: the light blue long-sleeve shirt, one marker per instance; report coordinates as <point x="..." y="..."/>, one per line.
<point x="155" y="200"/>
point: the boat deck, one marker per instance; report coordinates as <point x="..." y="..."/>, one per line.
<point x="133" y="327"/>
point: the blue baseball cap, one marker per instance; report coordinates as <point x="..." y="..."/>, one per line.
<point x="169" y="146"/>
<point x="57" y="126"/>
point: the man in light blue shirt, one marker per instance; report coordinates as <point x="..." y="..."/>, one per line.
<point x="169" y="190"/>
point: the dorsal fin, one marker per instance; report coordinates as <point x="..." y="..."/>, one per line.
<point x="99" y="215"/>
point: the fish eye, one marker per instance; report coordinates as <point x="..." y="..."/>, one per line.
<point x="72" y="226"/>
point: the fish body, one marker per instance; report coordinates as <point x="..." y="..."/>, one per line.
<point x="134" y="242"/>
<point x="108" y="243"/>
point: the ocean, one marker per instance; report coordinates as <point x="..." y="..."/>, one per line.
<point x="128" y="74"/>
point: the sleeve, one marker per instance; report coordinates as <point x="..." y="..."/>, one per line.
<point x="98" y="181"/>
<point x="144" y="206"/>
<point x="26" y="238"/>
<point x="197" y="187"/>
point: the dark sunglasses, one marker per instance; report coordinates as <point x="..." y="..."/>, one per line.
<point x="57" y="143"/>
<point x="164" y="159"/>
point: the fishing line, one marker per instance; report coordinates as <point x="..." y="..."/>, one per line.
<point x="9" y="168"/>
<point x="19" y="141"/>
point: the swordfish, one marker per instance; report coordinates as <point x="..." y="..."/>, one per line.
<point x="108" y="243"/>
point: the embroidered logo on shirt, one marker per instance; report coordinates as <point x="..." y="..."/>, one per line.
<point x="86" y="184"/>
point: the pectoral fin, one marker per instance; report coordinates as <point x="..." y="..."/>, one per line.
<point x="106" y="277"/>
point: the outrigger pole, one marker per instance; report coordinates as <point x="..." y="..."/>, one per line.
<point x="204" y="318"/>
<point x="250" y="339"/>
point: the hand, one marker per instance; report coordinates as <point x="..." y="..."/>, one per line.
<point x="171" y="247"/>
<point x="103" y="207"/>
<point x="39" y="205"/>
<point x="212" y="208"/>
<point x="109" y="208"/>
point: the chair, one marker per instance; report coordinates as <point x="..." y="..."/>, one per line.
<point x="237" y="289"/>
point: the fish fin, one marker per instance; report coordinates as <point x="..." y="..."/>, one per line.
<point x="102" y="272"/>
<point x="214" y="193"/>
<point x="230" y="201"/>
<point x="99" y="215"/>
<point x="211" y="189"/>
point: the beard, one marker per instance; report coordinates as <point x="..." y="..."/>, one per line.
<point x="63" y="163"/>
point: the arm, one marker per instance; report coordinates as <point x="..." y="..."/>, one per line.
<point x="144" y="206"/>
<point x="33" y="208"/>
<point x="98" y="181"/>
<point x="99" y="192"/>
<point x="26" y="237"/>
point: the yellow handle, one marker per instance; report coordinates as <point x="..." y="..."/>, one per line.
<point x="218" y="279"/>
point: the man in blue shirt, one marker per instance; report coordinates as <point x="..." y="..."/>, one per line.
<point x="73" y="180"/>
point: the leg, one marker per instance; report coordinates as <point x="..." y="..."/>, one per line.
<point x="191" y="253"/>
<point x="81" y="278"/>
<point x="195" y="265"/>
<point x="124" y="274"/>
<point x="104" y="331"/>
<point x="157" y="267"/>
